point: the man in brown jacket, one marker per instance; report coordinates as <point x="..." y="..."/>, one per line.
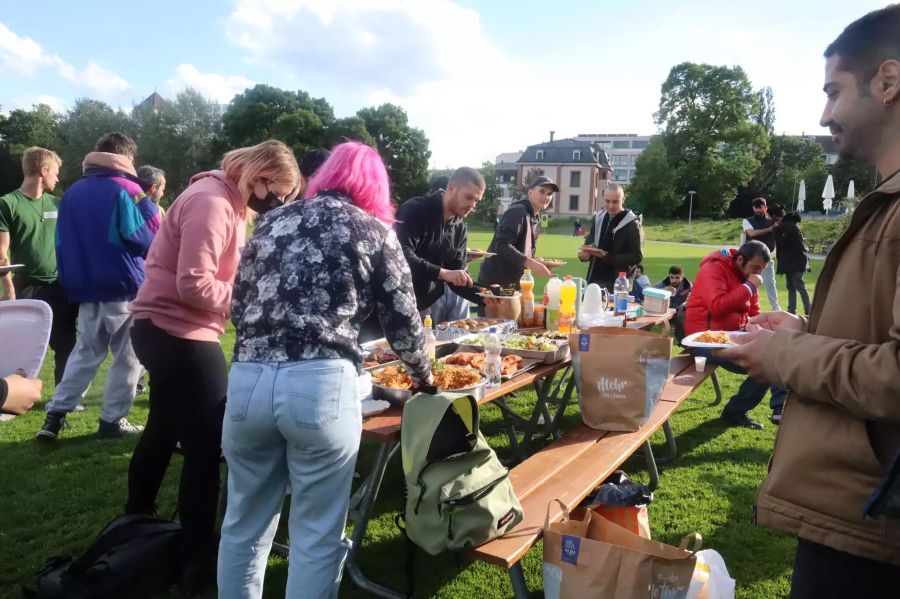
<point x="841" y="424"/>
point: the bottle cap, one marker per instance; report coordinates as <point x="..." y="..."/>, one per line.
<point x="568" y="277"/>
<point x="493" y="330"/>
<point x="427" y="320"/>
<point x="527" y="271"/>
<point x="621" y="274"/>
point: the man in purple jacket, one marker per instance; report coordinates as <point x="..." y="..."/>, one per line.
<point x="105" y="226"/>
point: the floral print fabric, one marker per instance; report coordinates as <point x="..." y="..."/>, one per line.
<point x="309" y="275"/>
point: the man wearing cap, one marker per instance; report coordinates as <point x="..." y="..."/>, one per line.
<point x="515" y="239"/>
<point x="615" y="240"/>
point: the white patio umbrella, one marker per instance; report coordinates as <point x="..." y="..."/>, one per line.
<point x="851" y="195"/>
<point x="828" y="193"/>
<point x="801" y="197"/>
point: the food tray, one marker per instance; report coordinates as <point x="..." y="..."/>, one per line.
<point x="476" y="325"/>
<point x="398" y="397"/>
<point x="547" y="357"/>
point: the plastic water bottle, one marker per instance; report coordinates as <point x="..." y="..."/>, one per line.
<point x="492" y="365"/>
<point x="430" y="340"/>
<point x="568" y="297"/>
<point x="526" y="284"/>
<point x="620" y="290"/>
<point x="552" y="291"/>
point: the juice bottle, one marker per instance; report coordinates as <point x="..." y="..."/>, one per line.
<point x="567" y="293"/>
<point x="430" y="340"/>
<point x="553" y="303"/>
<point x="526" y="284"/>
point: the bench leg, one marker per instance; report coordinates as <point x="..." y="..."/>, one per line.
<point x="670" y="442"/>
<point x="717" y="387"/>
<point x="517" y="578"/>
<point x="651" y="466"/>
<point x="361" y="524"/>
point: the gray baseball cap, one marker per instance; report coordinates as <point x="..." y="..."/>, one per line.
<point x="544" y="182"/>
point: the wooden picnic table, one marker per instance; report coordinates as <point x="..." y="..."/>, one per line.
<point x="384" y="428"/>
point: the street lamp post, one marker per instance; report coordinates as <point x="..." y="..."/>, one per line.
<point x="690" y="214"/>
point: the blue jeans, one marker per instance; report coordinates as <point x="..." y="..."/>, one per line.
<point x="751" y="391"/>
<point x="297" y="422"/>
<point x="448" y="307"/>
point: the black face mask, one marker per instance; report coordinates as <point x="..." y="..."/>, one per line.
<point x="263" y="205"/>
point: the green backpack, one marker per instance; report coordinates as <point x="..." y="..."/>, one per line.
<point x="458" y="493"/>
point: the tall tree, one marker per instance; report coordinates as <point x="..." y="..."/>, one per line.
<point x="80" y="129"/>
<point x="779" y="172"/>
<point x="652" y="190"/>
<point x="404" y="149"/>
<point x="712" y="138"/>
<point x="486" y="210"/>
<point x="20" y="130"/>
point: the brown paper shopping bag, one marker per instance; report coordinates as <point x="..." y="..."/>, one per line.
<point x="620" y="374"/>
<point x="596" y="558"/>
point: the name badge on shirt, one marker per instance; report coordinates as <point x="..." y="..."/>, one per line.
<point x="50" y="214"/>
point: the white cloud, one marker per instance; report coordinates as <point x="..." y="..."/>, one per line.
<point x="21" y="55"/>
<point x="221" y="88"/>
<point x="103" y="81"/>
<point x="25" y="57"/>
<point x="27" y="101"/>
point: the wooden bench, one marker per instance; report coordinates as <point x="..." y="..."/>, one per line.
<point x="570" y="468"/>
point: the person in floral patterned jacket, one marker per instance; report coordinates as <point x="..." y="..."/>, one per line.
<point x="311" y="272"/>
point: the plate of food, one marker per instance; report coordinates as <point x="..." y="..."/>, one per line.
<point x="510" y="365"/>
<point x="711" y="339"/>
<point x="476" y="254"/>
<point x="394" y="384"/>
<point x="550" y="263"/>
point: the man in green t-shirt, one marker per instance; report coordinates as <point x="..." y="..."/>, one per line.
<point x="28" y="237"/>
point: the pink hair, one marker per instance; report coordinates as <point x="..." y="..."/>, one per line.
<point x="358" y="171"/>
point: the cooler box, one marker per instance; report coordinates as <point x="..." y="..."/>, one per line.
<point x="656" y="301"/>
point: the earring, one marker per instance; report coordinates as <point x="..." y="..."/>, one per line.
<point x="888" y="103"/>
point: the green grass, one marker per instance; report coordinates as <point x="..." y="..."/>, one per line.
<point x="58" y="496"/>
<point x="706" y="231"/>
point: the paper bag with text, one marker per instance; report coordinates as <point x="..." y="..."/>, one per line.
<point x="620" y="374"/>
<point x="596" y="558"/>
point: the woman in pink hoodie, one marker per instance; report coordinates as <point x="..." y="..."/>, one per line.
<point x="179" y="314"/>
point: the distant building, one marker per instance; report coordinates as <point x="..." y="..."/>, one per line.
<point x="154" y="102"/>
<point x="580" y="168"/>
<point x="507" y="170"/>
<point x="830" y="155"/>
<point x="623" y="150"/>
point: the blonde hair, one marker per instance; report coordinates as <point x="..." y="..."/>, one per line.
<point x="35" y="158"/>
<point x="271" y="160"/>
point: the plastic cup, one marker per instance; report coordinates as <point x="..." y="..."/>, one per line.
<point x="700" y="363"/>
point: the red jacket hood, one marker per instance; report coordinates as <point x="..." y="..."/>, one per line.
<point x="720" y="297"/>
<point x="724" y="255"/>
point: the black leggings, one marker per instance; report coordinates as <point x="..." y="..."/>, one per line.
<point x="188" y="384"/>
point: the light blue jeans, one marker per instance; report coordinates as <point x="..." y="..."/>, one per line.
<point x="297" y="422"/>
<point x="768" y="277"/>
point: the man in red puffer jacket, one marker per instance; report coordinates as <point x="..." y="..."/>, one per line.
<point x="724" y="296"/>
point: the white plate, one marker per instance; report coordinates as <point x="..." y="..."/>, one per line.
<point x="689" y="340"/>
<point x="372" y="407"/>
<point x="10" y="268"/>
<point x="25" y="333"/>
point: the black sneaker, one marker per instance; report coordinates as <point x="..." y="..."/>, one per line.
<point x="111" y="430"/>
<point x="53" y="422"/>
<point x="742" y="420"/>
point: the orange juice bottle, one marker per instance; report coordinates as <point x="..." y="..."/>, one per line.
<point x="567" y="294"/>
<point x="526" y="284"/>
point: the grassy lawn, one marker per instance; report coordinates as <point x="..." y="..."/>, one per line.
<point x="58" y="496"/>
<point x="705" y="231"/>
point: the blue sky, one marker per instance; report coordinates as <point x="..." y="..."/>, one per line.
<point x="478" y="77"/>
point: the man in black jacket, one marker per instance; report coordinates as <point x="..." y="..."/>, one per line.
<point x="615" y="238"/>
<point x="515" y="239"/>
<point x="432" y="232"/>
<point x="793" y="258"/>
<point x="761" y="228"/>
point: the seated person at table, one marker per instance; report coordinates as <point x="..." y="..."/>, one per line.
<point x="515" y="240"/>
<point x="725" y="295"/>
<point x="678" y="284"/>
<point x="640" y="282"/>
<point x="310" y="273"/>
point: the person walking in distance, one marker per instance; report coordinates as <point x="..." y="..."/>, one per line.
<point x="762" y="228"/>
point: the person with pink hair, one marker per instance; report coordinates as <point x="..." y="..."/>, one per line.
<point x="309" y="275"/>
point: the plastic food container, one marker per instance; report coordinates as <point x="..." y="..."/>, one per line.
<point x="656" y="301"/>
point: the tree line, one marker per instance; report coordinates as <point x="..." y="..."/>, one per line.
<point x="716" y="137"/>
<point x="190" y="134"/>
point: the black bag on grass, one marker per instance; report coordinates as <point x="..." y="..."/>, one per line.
<point x="133" y="557"/>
